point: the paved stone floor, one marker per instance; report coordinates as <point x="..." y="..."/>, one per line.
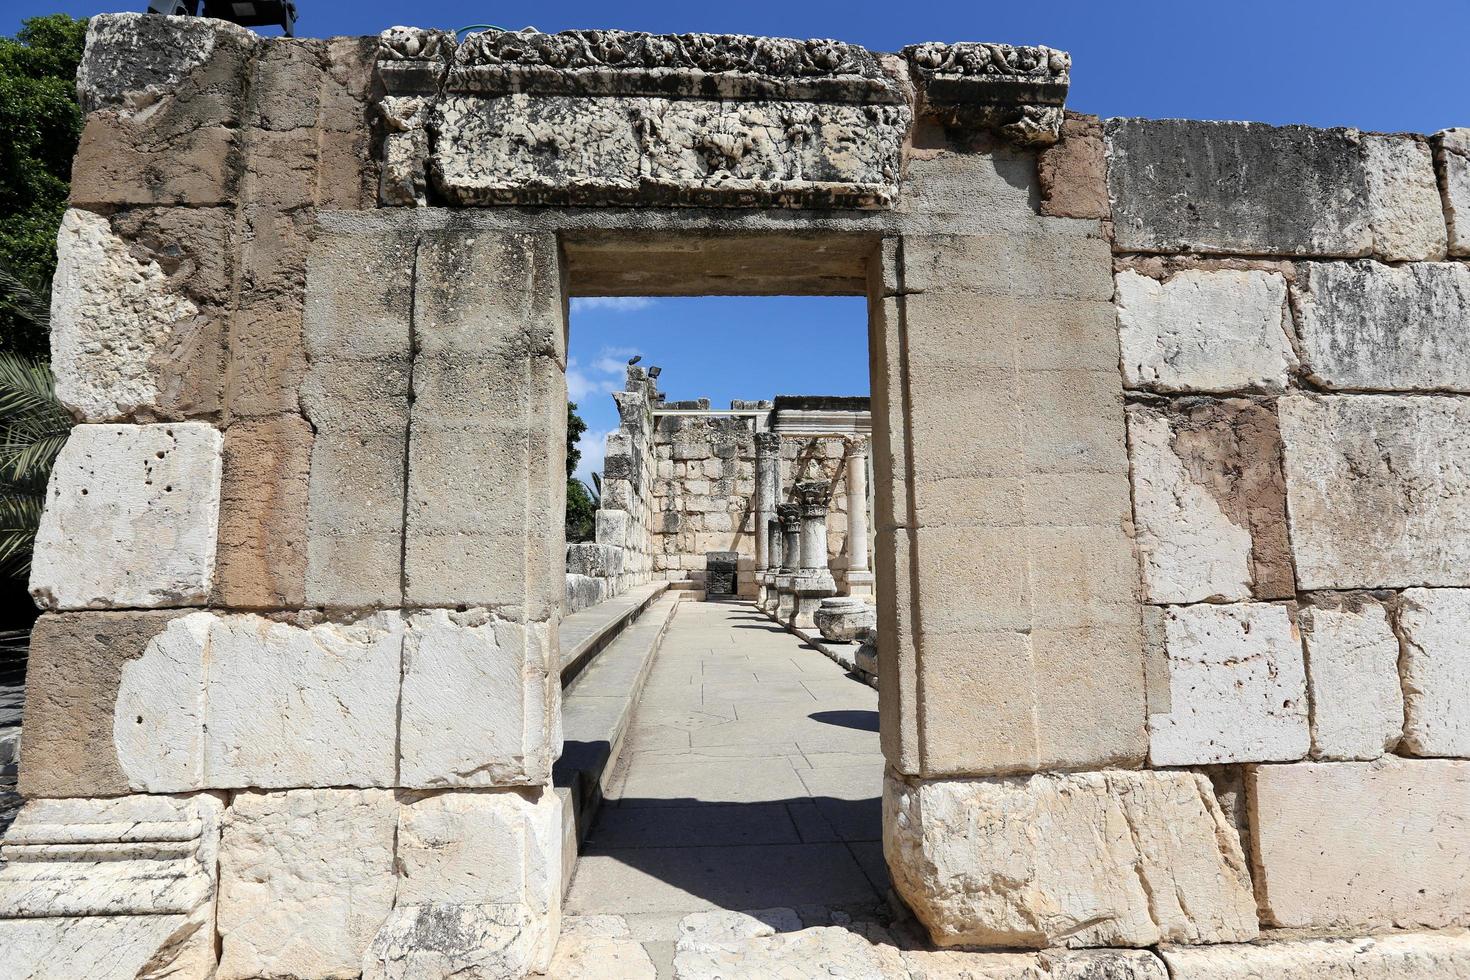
<point x="750" y="779"/>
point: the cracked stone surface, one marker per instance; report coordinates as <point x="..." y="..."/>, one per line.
<point x="1435" y="668"/>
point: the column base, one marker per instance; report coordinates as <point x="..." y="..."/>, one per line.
<point x="859" y="584"/>
<point x="810" y="589"/>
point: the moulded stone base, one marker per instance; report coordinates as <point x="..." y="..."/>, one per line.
<point x="1405" y="956"/>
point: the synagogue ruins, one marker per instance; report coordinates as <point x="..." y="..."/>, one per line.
<point x="1154" y="535"/>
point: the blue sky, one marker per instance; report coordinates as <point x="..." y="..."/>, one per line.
<point x="1368" y="63"/>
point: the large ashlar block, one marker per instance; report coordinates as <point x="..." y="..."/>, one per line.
<point x="1248" y="188"/>
<point x="306" y="879"/>
<point x="1361" y="845"/>
<point x="479" y="888"/>
<point x="1237" y="686"/>
<point x="1452" y="156"/>
<point x="118" y="887"/>
<point x="359" y="307"/>
<point x="1353" y="677"/>
<point x="1436" y="671"/>
<point x="1377" y="488"/>
<point x="1209" y="500"/>
<point x="116" y="324"/>
<point x="1406" y="956"/>
<point x="131" y="519"/>
<point x="479" y="703"/>
<point x="1053" y="964"/>
<point x="1093" y="859"/>
<point x="264" y="498"/>
<point x="1204" y="331"/>
<point x="1370" y="326"/>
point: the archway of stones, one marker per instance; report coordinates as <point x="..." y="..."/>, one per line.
<point x="747" y="772"/>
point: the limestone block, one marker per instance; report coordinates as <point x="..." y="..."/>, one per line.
<point x="117" y="326"/>
<point x="264" y="499"/>
<point x="151" y="495"/>
<point x="306" y="880"/>
<point x="1353" y="676"/>
<point x="1359" y="845"/>
<point x="1373" y="483"/>
<point x="1237" y="686"/>
<point x="583" y="591"/>
<point x="600" y="947"/>
<point x="76" y="664"/>
<point x="1406" y="956"/>
<point x="1210" y="501"/>
<point x="597" y="560"/>
<point x="1452" y="155"/>
<point x="1403" y="198"/>
<point x="1248" y="188"/>
<point x="163" y="99"/>
<point x="614" y="527"/>
<point x="503" y="680"/>
<point x="1073" y="172"/>
<point x="422" y="941"/>
<point x="1436" y="671"/>
<point x="1204" y="331"/>
<point x="298" y="706"/>
<point x="1366" y="325"/>
<point x="1094" y="964"/>
<point x="1105" y="858"/>
<point x="113" y="946"/>
<point x="821" y="951"/>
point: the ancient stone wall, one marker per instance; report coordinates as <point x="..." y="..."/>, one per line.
<point x="1171" y="656"/>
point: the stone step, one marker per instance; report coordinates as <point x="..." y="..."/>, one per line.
<point x="586" y="633"/>
<point x="596" y="711"/>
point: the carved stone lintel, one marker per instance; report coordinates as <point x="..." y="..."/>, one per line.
<point x="1017" y="91"/>
<point x="414" y="60"/>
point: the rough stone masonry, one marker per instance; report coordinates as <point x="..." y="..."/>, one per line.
<point x="1171" y="483"/>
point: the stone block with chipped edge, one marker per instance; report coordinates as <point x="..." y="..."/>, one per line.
<point x="1367" y="326"/>
<point x="306" y="880"/>
<point x="1403" y="956"/>
<point x="502" y="677"/>
<point x="442" y="940"/>
<point x="1353" y="677"/>
<point x="1452" y="158"/>
<point x="1073" y="173"/>
<point x="1359" y="521"/>
<point x="1237" y="686"/>
<point x="1107" y="858"/>
<point x="819" y="951"/>
<point x="107" y="946"/>
<point x="1204" y="331"/>
<point x="1253" y="189"/>
<point x="1435" y="669"/>
<point x="600" y="947"/>
<point x="1054" y="964"/>
<point x="1354" y="846"/>
<point x="264" y="499"/>
<point x="131" y="518"/>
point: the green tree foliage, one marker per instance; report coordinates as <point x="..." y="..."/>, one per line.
<point x="33" y="426"/>
<point x="41" y="124"/>
<point x="581" y="510"/>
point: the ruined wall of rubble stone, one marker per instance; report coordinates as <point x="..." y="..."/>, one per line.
<point x="704" y="492"/>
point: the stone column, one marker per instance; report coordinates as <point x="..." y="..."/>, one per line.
<point x="859" y="579"/>
<point x="767" y="598"/>
<point x="790" y="517"/>
<point x="814" y="582"/>
<point x="767" y="490"/>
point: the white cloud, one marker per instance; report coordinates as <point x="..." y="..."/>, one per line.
<point x="613" y="304"/>
<point x="594" y="450"/>
<point x="607" y="373"/>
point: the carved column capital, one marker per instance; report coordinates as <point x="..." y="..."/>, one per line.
<point x="789" y="515"/>
<point x="767" y="442"/>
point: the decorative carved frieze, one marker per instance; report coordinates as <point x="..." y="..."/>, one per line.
<point x="1016" y="90"/>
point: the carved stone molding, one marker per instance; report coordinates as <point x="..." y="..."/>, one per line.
<point x="1018" y="91"/>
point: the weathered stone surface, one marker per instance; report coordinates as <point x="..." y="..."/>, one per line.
<point x="600" y="947"/>
<point x="132" y="513"/>
<point x="1373" y="483"/>
<point x="1095" y="964"/>
<point x="1073" y="173"/>
<point x="422" y="941"/>
<point x="1210" y="501"/>
<point x="128" y="339"/>
<point x="1353" y="677"/>
<point x="557" y="149"/>
<point x="1237" y="687"/>
<point x="1452" y="156"/>
<point x="1407" y="956"/>
<point x="122" y="946"/>
<point x="1015" y="90"/>
<point x="821" y="951"/>
<point x="595" y="560"/>
<point x="1204" y="331"/>
<point x="1361" y="845"/>
<point x="1370" y="326"/>
<point x="1436" y="671"/>
<point x="76" y="664"/>
<point x="842" y="618"/>
<point x="1111" y="858"/>
<point x="306" y="880"/>
<point x="163" y="98"/>
<point x="1248" y="188"/>
<point x="584" y="591"/>
<point x="292" y="706"/>
<point x="501" y="677"/>
<point x="264" y="498"/>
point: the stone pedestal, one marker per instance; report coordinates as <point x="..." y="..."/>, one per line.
<point x="843" y="619"/>
<point x="811" y="589"/>
<point x="858" y="584"/>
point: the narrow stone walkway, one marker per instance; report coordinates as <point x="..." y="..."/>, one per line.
<point x="750" y="779"/>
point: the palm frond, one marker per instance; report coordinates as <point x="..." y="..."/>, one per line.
<point x="27" y="386"/>
<point x="20" y="515"/>
<point x="22" y="299"/>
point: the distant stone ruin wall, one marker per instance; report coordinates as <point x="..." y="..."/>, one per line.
<point x="704" y="492"/>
